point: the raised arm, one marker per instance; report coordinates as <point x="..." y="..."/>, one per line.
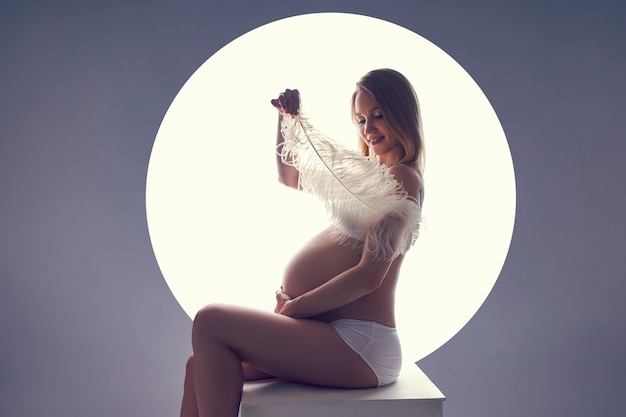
<point x="287" y="102"/>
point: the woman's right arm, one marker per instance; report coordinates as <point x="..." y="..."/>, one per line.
<point x="286" y="103"/>
<point x="287" y="174"/>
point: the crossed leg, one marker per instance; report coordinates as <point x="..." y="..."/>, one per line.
<point x="305" y="351"/>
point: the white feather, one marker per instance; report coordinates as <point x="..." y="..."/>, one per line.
<point x="363" y="199"/>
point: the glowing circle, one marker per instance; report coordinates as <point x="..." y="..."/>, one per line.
<point x="223" y="229"/>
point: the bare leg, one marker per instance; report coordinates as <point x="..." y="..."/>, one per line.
<point x="189" y="407"/>
<point x="217" y="377"/>
<point x="305" y="351"/>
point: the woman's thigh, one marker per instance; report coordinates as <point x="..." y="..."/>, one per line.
<point x="306" y="351"/>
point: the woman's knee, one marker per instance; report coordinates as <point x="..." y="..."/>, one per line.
<point x="189" y="366"/>
<point x="209" y="320"/>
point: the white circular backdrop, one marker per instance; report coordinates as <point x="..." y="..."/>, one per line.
<point x="223" y="229"/>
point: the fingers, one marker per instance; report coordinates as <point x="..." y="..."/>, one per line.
<point x="279" y="302"/>
<point x="288" y="102"/>
<point x="281" y="296"/>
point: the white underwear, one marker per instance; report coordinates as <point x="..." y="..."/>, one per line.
<point x="377" y="344"/>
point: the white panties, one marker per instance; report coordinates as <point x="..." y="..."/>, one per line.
<point x="377" y="344"/>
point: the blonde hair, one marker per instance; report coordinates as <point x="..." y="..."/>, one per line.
<point x="398" y="102"/>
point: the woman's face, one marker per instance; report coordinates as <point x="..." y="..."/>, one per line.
<point x="374" y="129"/>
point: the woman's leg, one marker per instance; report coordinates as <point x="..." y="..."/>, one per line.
<point x="189" y="407"/>
<point x="304" y="351"/>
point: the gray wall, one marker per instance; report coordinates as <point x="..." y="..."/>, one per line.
<point x="89" y="326"/>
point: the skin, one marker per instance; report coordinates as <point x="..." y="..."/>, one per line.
<point x="374" y="130"/>
<point x="296" y="343"/>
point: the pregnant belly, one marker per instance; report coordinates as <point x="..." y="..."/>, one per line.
<point x="319" y="261"/>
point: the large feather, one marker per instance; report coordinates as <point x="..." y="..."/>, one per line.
<point x="363" y="199"/>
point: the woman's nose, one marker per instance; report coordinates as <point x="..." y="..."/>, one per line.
<point x="369" y="126"/>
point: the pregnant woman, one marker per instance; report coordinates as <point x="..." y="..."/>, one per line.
<point x="334" y="322"/>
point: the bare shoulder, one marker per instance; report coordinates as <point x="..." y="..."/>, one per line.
<point x="408" y="178"/>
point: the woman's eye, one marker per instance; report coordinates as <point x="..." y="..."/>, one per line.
<point x="361" y="121"/>
<point x="378" y="116"/>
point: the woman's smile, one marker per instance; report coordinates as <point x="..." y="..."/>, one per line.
<point x="374" y="129"/>
<point x="374" y="140"/>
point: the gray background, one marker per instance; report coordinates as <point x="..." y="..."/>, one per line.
<point x="88" y="325"/>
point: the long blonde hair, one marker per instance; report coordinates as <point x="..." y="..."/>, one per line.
<point x="398" y="102"/>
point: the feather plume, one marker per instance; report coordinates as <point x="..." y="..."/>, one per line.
<point x="365" y="203"/>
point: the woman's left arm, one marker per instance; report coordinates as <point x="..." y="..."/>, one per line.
<point x="343" y="289"/>
<point x="353" y="283"/>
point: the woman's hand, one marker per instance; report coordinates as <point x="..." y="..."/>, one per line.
<point x="288" y="102"/>
<point x="283" y="303"/>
